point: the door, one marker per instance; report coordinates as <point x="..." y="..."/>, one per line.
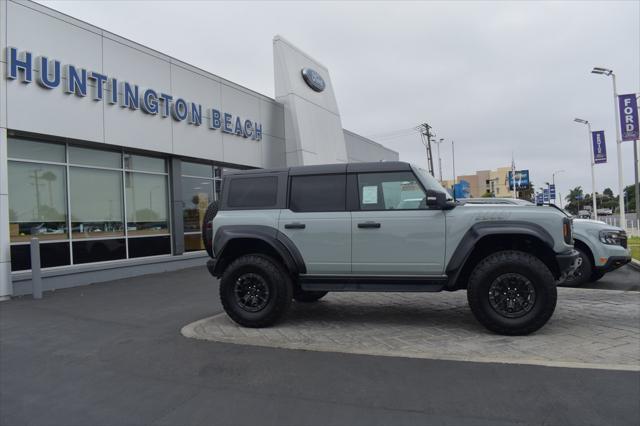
<point x="318" y="224"/>
<point x="394" y="233"/>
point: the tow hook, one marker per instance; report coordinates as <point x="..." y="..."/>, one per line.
<point x="575" y="265"/>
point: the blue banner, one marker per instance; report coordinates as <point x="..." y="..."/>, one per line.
<point x="545" y="195"/>
<point x="552" y="191"/>
<point x="522" y="179"/>
<point x="629" y="117"/>
<point x="599" y="147"/>
<point x="539" y="200"/>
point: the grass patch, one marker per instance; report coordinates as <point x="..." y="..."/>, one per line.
<point x="634" y="245"/>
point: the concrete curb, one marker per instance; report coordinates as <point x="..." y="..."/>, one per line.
<point x="635" y="264"/>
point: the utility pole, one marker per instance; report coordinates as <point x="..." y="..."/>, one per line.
<point x="425" y="134"/>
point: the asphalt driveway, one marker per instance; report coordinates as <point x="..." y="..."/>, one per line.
<point x="112" y="354"/>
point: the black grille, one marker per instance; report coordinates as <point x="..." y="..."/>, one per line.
<point x="623" y="239"/>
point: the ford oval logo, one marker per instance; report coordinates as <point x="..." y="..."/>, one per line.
<point x="313" y="79"/>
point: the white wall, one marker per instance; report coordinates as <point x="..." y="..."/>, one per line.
<point x="42" y="31"/>
<point x="312" y="119"/>
<point x="362" y="150"/>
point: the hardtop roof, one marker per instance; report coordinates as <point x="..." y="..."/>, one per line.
<point x="380" y="166"/>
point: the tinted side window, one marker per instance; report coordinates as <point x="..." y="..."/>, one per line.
<point x="253" y="192"/>
<point x="320" y="193"/>
<point x="390" y="191"/>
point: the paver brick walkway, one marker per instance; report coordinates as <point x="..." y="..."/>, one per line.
<point x="590" y="329"/>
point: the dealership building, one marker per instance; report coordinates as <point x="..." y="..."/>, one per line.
<point x="110" y="151"/>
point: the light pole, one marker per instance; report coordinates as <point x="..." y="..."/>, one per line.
<point x="553" y="180"/>
<point x="593" y="175"/>
<point x="609" y="73"/>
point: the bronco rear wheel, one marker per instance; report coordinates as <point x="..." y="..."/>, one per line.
<point x="512" y="293"/>
<point x="255" y="291"/>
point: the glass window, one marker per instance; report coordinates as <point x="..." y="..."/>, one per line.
<point x="197" y="169"/>
<point x="51" y="254"/>
<point x="322" y="193"/>
<point x="33" y="150"/>
<point x="149" y="246"/>
<point x="193" y="242"/>
<point x="37" y="201"/>
<point x="390" y="191"/>
<point x="147" y="205"/>
<point x="98" y="250"/>
<point x="197" y="194"/>
<point x="96" y="203"/>
<point x="94" y="157"/>
<point x="144" y="163"/>
<point x="253" y="192"/>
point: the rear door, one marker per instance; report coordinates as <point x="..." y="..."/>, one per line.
<point x="317" y="222"/>
<point x="393" y="231"/>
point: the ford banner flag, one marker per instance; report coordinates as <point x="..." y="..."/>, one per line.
<point x="599" y="147"/>
<point x="545" y="195"/>
<point x="539" y="200"/>
<point x="629" y="117"/>
<point x="552" y="191"/>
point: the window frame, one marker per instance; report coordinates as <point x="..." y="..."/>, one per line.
<point x="346" y="192"/>
<point x="123" y="170"/>
<point x="358" y="196"/>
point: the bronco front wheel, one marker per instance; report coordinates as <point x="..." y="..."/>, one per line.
<point x="512" y="293"/>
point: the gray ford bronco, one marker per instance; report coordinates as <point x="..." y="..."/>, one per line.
<point x="300" y="232"/>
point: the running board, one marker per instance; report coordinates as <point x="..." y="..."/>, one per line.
<point x="372" y="283"/>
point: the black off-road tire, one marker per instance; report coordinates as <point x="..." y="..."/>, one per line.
<point x="279" y="285"/>
<point x="596" y="275"/>
<point x="210" y="213"/>
<point x="582" y="274"/>
<point x="306" y="296"/>
<point x="516" y="263"/>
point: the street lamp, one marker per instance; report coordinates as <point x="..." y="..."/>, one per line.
<point x="553" y="180"/>
<point x="609" y="73"/>
<point x="593" y="176"/>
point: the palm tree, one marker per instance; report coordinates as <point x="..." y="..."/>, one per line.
<point x="575" y="196"/>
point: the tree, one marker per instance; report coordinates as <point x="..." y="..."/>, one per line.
<point x="608" y="192"/>
<point x="488" y="195"/>
<point x="575" y="199"/>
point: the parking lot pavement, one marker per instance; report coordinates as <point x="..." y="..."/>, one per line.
<point x="112" y="354"/>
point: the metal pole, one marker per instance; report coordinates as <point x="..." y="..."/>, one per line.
<point x="439" y="159"/>
<point x="453" y="160"/>
<point x="36" y="275"/>
<point x="593" y="174"/>
<point x="635" y="167"/>
<point x="619" y="146"/>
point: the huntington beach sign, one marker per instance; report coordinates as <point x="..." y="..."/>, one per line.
<point x="51" y="74"/>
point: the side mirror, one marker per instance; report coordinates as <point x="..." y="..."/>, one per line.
<point x="436" y="199"/>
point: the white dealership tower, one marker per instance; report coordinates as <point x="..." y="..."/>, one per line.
<point x="313" y="129"/>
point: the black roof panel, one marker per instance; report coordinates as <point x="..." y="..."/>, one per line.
<point x="381" y="166"/>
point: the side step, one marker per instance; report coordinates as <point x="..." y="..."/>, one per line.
<point x="372" y="283"/>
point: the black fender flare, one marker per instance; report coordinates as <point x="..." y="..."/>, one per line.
<point x="483" y="229"/>
<point x="282" y="245"/>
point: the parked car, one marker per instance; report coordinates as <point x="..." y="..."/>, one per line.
<point x="300" y="232"/>
<point x="602" y="247"/>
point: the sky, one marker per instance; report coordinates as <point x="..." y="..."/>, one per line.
<point x="498" y="78"/>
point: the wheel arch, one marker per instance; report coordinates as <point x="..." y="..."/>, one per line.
<point x="485" y="238"/>
<point x="232" y="241"/>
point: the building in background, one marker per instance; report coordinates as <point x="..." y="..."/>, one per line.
<point x="110" y="151"/>
<point x="483" y="182"/>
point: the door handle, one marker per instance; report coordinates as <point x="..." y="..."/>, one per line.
<point x="295" y="225"/>
<point x="369" y="225"/>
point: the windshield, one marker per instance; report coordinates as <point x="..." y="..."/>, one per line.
<point x="429" y="181"/>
